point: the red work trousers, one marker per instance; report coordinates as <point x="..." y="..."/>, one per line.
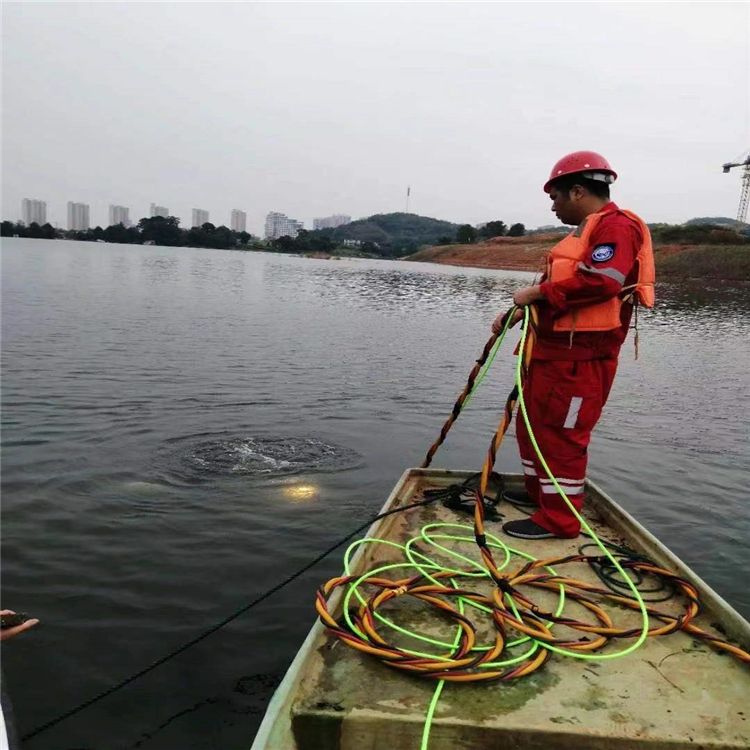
<point x="564" y="400"/>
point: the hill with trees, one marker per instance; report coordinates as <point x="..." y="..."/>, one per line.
<point x="392" y="235"/>
<point x="399" y="234"/>
<point x="700" y="233"/>
<point x="717" y="220"/>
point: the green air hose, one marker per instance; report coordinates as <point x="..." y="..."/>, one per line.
<point x="490" y="360"/>
<point x="423" y="567"/>
<point x="581" y="519"/>
<point x="432" y="534"/>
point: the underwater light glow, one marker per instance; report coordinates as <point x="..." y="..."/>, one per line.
<point x="301" y="492"/>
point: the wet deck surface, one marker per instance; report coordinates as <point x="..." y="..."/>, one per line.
<point x="674" y="692"/>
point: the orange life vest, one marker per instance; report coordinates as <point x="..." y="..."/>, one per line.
<point x="562" y="264"/>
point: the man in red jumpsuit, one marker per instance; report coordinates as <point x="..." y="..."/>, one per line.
<point x="585" y="302"/>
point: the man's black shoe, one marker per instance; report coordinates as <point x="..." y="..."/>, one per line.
<point x="518" y="497"/>
<point x="527" y="529"/>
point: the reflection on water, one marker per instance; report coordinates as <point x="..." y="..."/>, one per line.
<point x="183" y="428"/>
<point x="301" y="492"/>
<point x="398" y="289"/>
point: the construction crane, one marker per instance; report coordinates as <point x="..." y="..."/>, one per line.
<point x="742" y="161"/>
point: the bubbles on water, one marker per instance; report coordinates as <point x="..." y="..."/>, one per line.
<point x="263" y="456"/>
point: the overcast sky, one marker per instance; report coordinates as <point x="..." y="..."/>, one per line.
<point x="320" y="108"/>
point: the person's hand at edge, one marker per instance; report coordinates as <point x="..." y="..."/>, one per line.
<point x="498" y="324"/>
<point x="7" y="633"/>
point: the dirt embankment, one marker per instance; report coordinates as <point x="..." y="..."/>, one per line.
<point x="728" y="262"/>
<point x="510" y="253"/>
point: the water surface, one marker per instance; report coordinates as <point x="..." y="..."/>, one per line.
<point x="183" y="428"/>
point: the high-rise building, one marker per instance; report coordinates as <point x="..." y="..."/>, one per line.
<point x="78" y="216"/>
<point x="119" y="215"/>
<point x="331" y="222"/>
<point x="238" y="220"/>
<point x="200" y="217"/>
<point x="280" y="225"/>
<point x="159" y="210"/>
<point x="33" y="210"/>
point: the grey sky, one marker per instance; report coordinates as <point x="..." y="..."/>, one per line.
<point x="320" y="108"/>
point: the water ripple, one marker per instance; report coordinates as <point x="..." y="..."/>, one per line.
<point x="195" y="458"/>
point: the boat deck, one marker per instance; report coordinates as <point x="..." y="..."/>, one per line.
<point x="674" y="692"/>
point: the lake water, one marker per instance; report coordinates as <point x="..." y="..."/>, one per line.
<point x="183" y="428"/>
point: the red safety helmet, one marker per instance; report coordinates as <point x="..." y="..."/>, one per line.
<point x="582" y="161"/>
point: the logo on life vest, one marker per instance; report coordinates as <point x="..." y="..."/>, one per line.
<point x="602" y="253"/>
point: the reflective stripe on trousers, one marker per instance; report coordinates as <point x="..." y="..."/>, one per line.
<point x="564" y="401"/>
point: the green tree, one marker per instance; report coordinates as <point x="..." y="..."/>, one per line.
<point x="82" y="235"/>
<point x="303" y="238"/>
<point x="466" y="234"/>
<point x="121" y="234"/>
<point x="162" y="230"/>
<point x="197" y="237"/>
<point x="305" y="242"/>
<point x="517" y="230"/>
<point x="114" y="233"/>
<point x="8" y="229"/>
<point x="34" y="231"/>
<point x="322" y="244"/>
<point x="493" y="229"/>
<point x="222" y="238"/>
<point x="49" y="232"/>
<point x="209" y="235"/>
<point x="284" y="244"/>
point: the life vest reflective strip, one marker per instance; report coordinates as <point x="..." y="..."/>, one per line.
<point x="568" y="255"/>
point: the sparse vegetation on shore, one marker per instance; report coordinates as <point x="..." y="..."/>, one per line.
<point x="726" y="262"/>
<point x="680" y="252"/>
<point x="696" y="249"/>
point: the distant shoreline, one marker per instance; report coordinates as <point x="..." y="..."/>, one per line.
<point x="238" y="248"/>
<point x="729" y="263"/>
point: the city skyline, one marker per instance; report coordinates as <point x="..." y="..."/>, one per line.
<point x="156" y="210"/>
<point x="277" y="224"/>
<point x="280" y="225"/>
<point x="416" y="110"/>
<point x="238" y="220"/>
<point x="118" y="213"/>
<point x="199" y="218"/>
<point x="33" y="209"/>
<point x="78" y="216"/>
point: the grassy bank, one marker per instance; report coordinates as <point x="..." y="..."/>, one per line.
<point x="726" y="262"/>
